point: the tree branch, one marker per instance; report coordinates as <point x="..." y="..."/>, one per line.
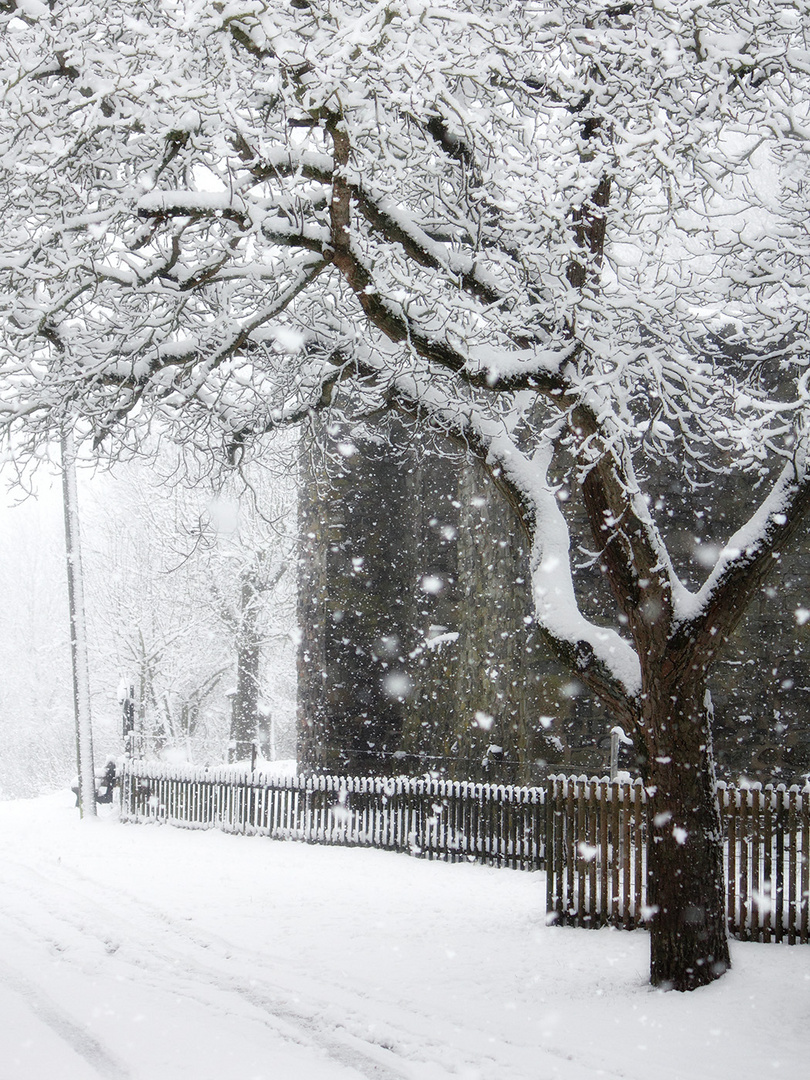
<point x="706" y="620"/>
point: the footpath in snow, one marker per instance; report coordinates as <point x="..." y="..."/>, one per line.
<point x="150" y="953"/>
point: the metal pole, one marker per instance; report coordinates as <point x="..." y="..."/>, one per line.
<point x="617" y="736"/>
<point x="78" y="632"/>
<point x="614" y="753"/>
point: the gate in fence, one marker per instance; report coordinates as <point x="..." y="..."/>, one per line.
<point x="589" y="834"/>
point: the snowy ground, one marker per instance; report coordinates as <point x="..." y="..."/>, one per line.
<point x="152" y="953"/>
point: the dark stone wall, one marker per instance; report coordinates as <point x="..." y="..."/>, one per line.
<point x="761" y="686"/>
<point x="353" y="599"/>
<point x="413" y="604"/>
<point x="415" y="657"/>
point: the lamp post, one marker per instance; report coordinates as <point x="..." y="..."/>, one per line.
<point x="78" y="630"/>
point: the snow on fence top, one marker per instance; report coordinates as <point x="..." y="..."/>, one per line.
<point x="243" y="775"/>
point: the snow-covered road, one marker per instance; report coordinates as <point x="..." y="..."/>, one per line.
<point x="147" y="953"/>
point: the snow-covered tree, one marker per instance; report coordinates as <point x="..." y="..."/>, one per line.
<point x="249" y="536"/>
<point x="175" y="551"/>
<point x="570" y="234"/>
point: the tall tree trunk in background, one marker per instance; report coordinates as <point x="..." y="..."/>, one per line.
<point x="245" y="715"/>
<point x="78" y="631"/>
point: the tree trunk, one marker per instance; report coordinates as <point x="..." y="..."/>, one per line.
<point x="244" y="719"/>
<point x="686" y="879"/>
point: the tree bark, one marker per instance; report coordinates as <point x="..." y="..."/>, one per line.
<point x="685" y="882"/>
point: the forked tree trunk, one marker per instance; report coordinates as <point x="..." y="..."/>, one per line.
<point x="686" y="879"/>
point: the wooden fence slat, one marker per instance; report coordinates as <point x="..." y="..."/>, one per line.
<point x="615" y="851"/>
<point x="553" y="853"/>
<point x="593" y="809"/>
<point x="804" y="926"/>
<point x="604" y="853"/>
<point x="756" y="897"/>
<point x="570" y="848"/>
<point x="767" y="860"/>
<point x="730" y="805"/>
<point x="626" y="834"/>
<point x="579" y="849"/>
<point x="793" y="864"/>
<point x="779" y="892"/>
<point x="558" y="852"/>
<point x="640" y="846"/>
<point x="744" y="840"/>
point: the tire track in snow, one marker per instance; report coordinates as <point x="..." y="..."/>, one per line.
<point x="332" y="1016"/>
<point x="62" y="1026"/>
<point x="155" y="957"/>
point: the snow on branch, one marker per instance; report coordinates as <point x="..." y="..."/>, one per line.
<point x="526" y="483"/>
<point x="556" y="608"/>
<point x="744" y="559"/>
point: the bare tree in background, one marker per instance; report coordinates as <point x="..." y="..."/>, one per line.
<point x="172" y="554"/>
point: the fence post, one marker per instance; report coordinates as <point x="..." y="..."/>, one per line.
<point x="793" y="863"/>
<point x="553" y="852"/>
<point x="805" y="879"/>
